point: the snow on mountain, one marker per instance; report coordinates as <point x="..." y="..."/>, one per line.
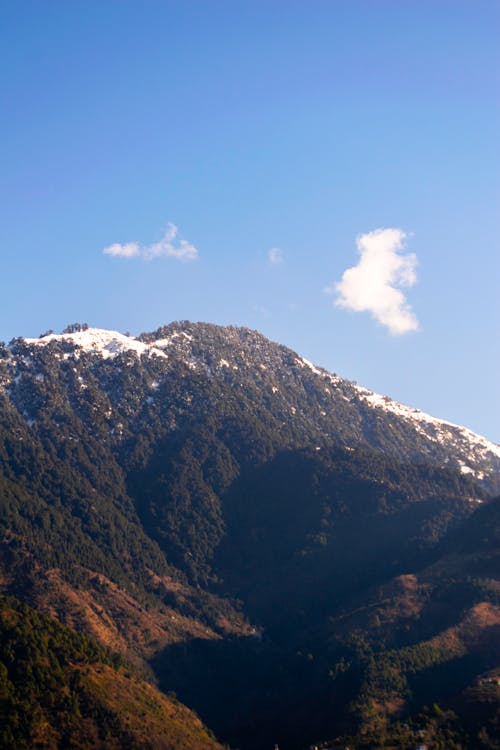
<point x="303" y="362"/>
<point x="472" y="448"/>
<point x="343" y="411"/>
<point x="163" y="343"/>
<point x="443" y="429"/>
<point x="107" y="343"/>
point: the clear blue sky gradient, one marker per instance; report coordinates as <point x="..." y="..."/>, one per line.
<point x="254" y="124"/>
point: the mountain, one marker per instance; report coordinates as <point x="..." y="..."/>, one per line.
<point x="59" y="689"/>
<point x="273" y="379"/>
<point x="297" y="557"/>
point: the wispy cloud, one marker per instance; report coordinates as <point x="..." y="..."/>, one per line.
<point x="130" y="250"/>
<point x="275" y="256"/>
<point x="170" y="246"/>
<point x="374" y="284"/>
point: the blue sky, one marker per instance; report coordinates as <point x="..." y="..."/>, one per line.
<point x="252" y="125"/>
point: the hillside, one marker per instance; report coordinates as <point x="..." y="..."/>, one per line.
<point x="58" y="689"/>
<point x="297" y="557"/>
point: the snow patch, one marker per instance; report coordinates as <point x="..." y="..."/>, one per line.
<point x="437" y="430"/>
<point x="302" y="362"/>
<point x="164" y="343"/>
<point x="466" y="469"/>
<point x="469" y="470"/>
<point x="108" y="344"/>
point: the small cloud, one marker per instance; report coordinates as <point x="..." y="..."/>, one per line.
<point x="168" y="247"/>
<point x="373" y="285"/>
<point x="129" y="250"/>
<point x="275" y="256"/>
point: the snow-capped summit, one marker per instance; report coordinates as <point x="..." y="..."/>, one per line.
<point x="205" y="365"/>
<point x="106" y="343"/>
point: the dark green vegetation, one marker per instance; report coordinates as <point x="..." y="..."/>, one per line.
<point x="296" y="564"/>
<point x="60" y="689"/>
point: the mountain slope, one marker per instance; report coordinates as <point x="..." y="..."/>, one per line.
<point x="58" y="689"/>
<point x="273" y="377"/>
<point x="384" y="653"/>
<point x="255" y="532"/>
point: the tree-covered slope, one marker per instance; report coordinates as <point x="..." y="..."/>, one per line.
<point x="118" y="385"/>
<point x="58" y="689"/>
<point x="373" y="662"/>
<point x="296" y="557"/>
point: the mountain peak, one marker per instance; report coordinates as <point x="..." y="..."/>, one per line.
<point x="99" y="340"/>
<point x="269" y="377"/>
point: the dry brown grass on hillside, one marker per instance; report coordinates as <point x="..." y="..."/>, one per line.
<point x="152" y="719"/>
<point x="111" y="616"/>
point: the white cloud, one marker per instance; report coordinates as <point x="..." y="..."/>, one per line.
<point x="130" y="250"/>
<point x="374" y="284"/>
<point x="169" y="246"/>
<point x="275" y="256"/>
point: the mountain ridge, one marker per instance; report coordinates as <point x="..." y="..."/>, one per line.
<point x="472" y="453"/>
